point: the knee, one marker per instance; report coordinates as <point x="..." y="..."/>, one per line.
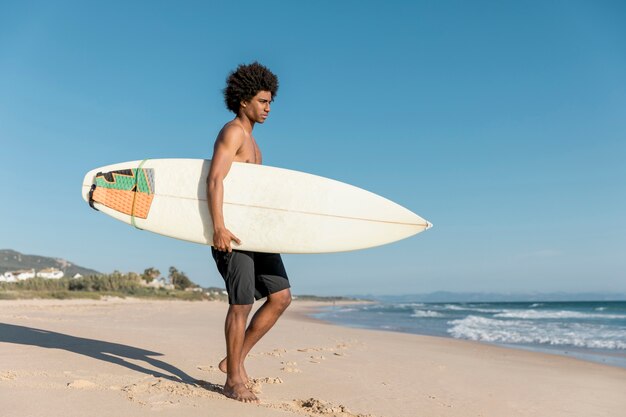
<point x="282" y="300"/>
<point x="287" y="301"/>
<point x="239" y="311"/>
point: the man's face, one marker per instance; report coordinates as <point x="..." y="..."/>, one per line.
<point x="258" y="108"/>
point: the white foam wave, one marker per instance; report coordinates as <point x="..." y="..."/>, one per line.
<point x="409" y="306"/>
<point x="469" y="308"/>
<point x="426" y="313"/>
<point x="522" y="331"/>
<point x="385" y="306"/>
<point x="455" y="308"/>
<point x="562" y="314"/>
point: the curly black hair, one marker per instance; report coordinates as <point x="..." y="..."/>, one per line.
<point x="245" y="82"/>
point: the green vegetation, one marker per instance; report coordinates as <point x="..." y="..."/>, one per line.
<point x="179" y="279"/>
<point x="150" y="274"/>
<point x="116" y="284"/>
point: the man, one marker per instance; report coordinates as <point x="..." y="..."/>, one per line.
<point x="248" y="275"/>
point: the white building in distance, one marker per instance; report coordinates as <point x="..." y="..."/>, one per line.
<point x="7" y="277"/>
<point x="24" y="274"/>
<point x="50" y="273"/>
<point x="21" y="275"/>
<point x="158" y="283"/>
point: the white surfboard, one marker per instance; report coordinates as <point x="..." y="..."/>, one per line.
<point x="269" y="209"/>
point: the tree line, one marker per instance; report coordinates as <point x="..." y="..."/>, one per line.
<point x="129" y="283"/>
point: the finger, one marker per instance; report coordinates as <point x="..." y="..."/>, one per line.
<point x="236" y="239"/>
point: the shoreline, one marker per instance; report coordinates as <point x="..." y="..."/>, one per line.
<point x="133" y="357"/>
<point x="307" y="307"/>
<point x="598" y="356"/>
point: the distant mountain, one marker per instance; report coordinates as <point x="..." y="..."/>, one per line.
<point x="11" y="260"/>
<point x="459" y="297"/>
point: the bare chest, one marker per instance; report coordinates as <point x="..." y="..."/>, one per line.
<point x="249" y="152"/>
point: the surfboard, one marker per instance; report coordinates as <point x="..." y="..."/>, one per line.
<point x="269" y="209"/>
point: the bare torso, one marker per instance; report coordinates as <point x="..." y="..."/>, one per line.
<point x="233" y="144"/>
<point x="249" y="151"/>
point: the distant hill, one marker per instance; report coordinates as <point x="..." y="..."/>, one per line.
<point x="11" y="260"/>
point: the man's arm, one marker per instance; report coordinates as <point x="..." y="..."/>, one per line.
<point x="227" y="144"/>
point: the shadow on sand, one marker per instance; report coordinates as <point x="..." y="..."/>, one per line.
<point x="105" y="351"/>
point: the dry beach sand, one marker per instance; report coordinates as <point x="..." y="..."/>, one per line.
<point x="159" y="358"/>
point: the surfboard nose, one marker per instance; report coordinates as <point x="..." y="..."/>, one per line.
<point x="87" y="182"/>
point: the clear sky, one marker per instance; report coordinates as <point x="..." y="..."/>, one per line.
<point x="503" y="123"/>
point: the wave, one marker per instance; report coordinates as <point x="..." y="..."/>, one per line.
<point x="393" y="307"/>
<point x="470" y="308"/>
<point x="410" y="305"/>
<point x="522" y="331"/>
<point x="426" y="313"/>
<point x="562" y="314"/>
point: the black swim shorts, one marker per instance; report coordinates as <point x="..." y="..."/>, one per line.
<point x="250" y="275"/>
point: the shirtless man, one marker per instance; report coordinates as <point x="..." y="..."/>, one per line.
<point x="248" y="275"/>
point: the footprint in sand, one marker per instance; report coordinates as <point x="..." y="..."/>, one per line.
<point x="256" y="384"/>
<point x="290" y="367"/>
<point x="308" y="349"/>
<point x="324" y="408"/>
<point x="276" y="353"/>
<point x="159" y="392"/>
<point x="8" y="375"/>
<point x="269" y="380"/>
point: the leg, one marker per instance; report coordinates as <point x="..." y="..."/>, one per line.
<point x="262" y="321"/>
<point x="235" y="334"/>
<point x="271" y="281"/>
<point x="237" y="269"/>
<point x="265" y="318"/>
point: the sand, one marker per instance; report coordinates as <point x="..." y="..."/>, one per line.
<point x="159" y="358"/>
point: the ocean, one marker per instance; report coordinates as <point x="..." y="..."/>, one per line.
<point x="594" y="331"/>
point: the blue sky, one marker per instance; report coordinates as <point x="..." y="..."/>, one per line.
<point x="503" y="123"/>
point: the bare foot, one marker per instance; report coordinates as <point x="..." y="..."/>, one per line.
<point x="239" y="392"/>
<point x="244" y="375"/>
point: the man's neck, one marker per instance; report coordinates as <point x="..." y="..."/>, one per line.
<point x="246" y="123"/>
